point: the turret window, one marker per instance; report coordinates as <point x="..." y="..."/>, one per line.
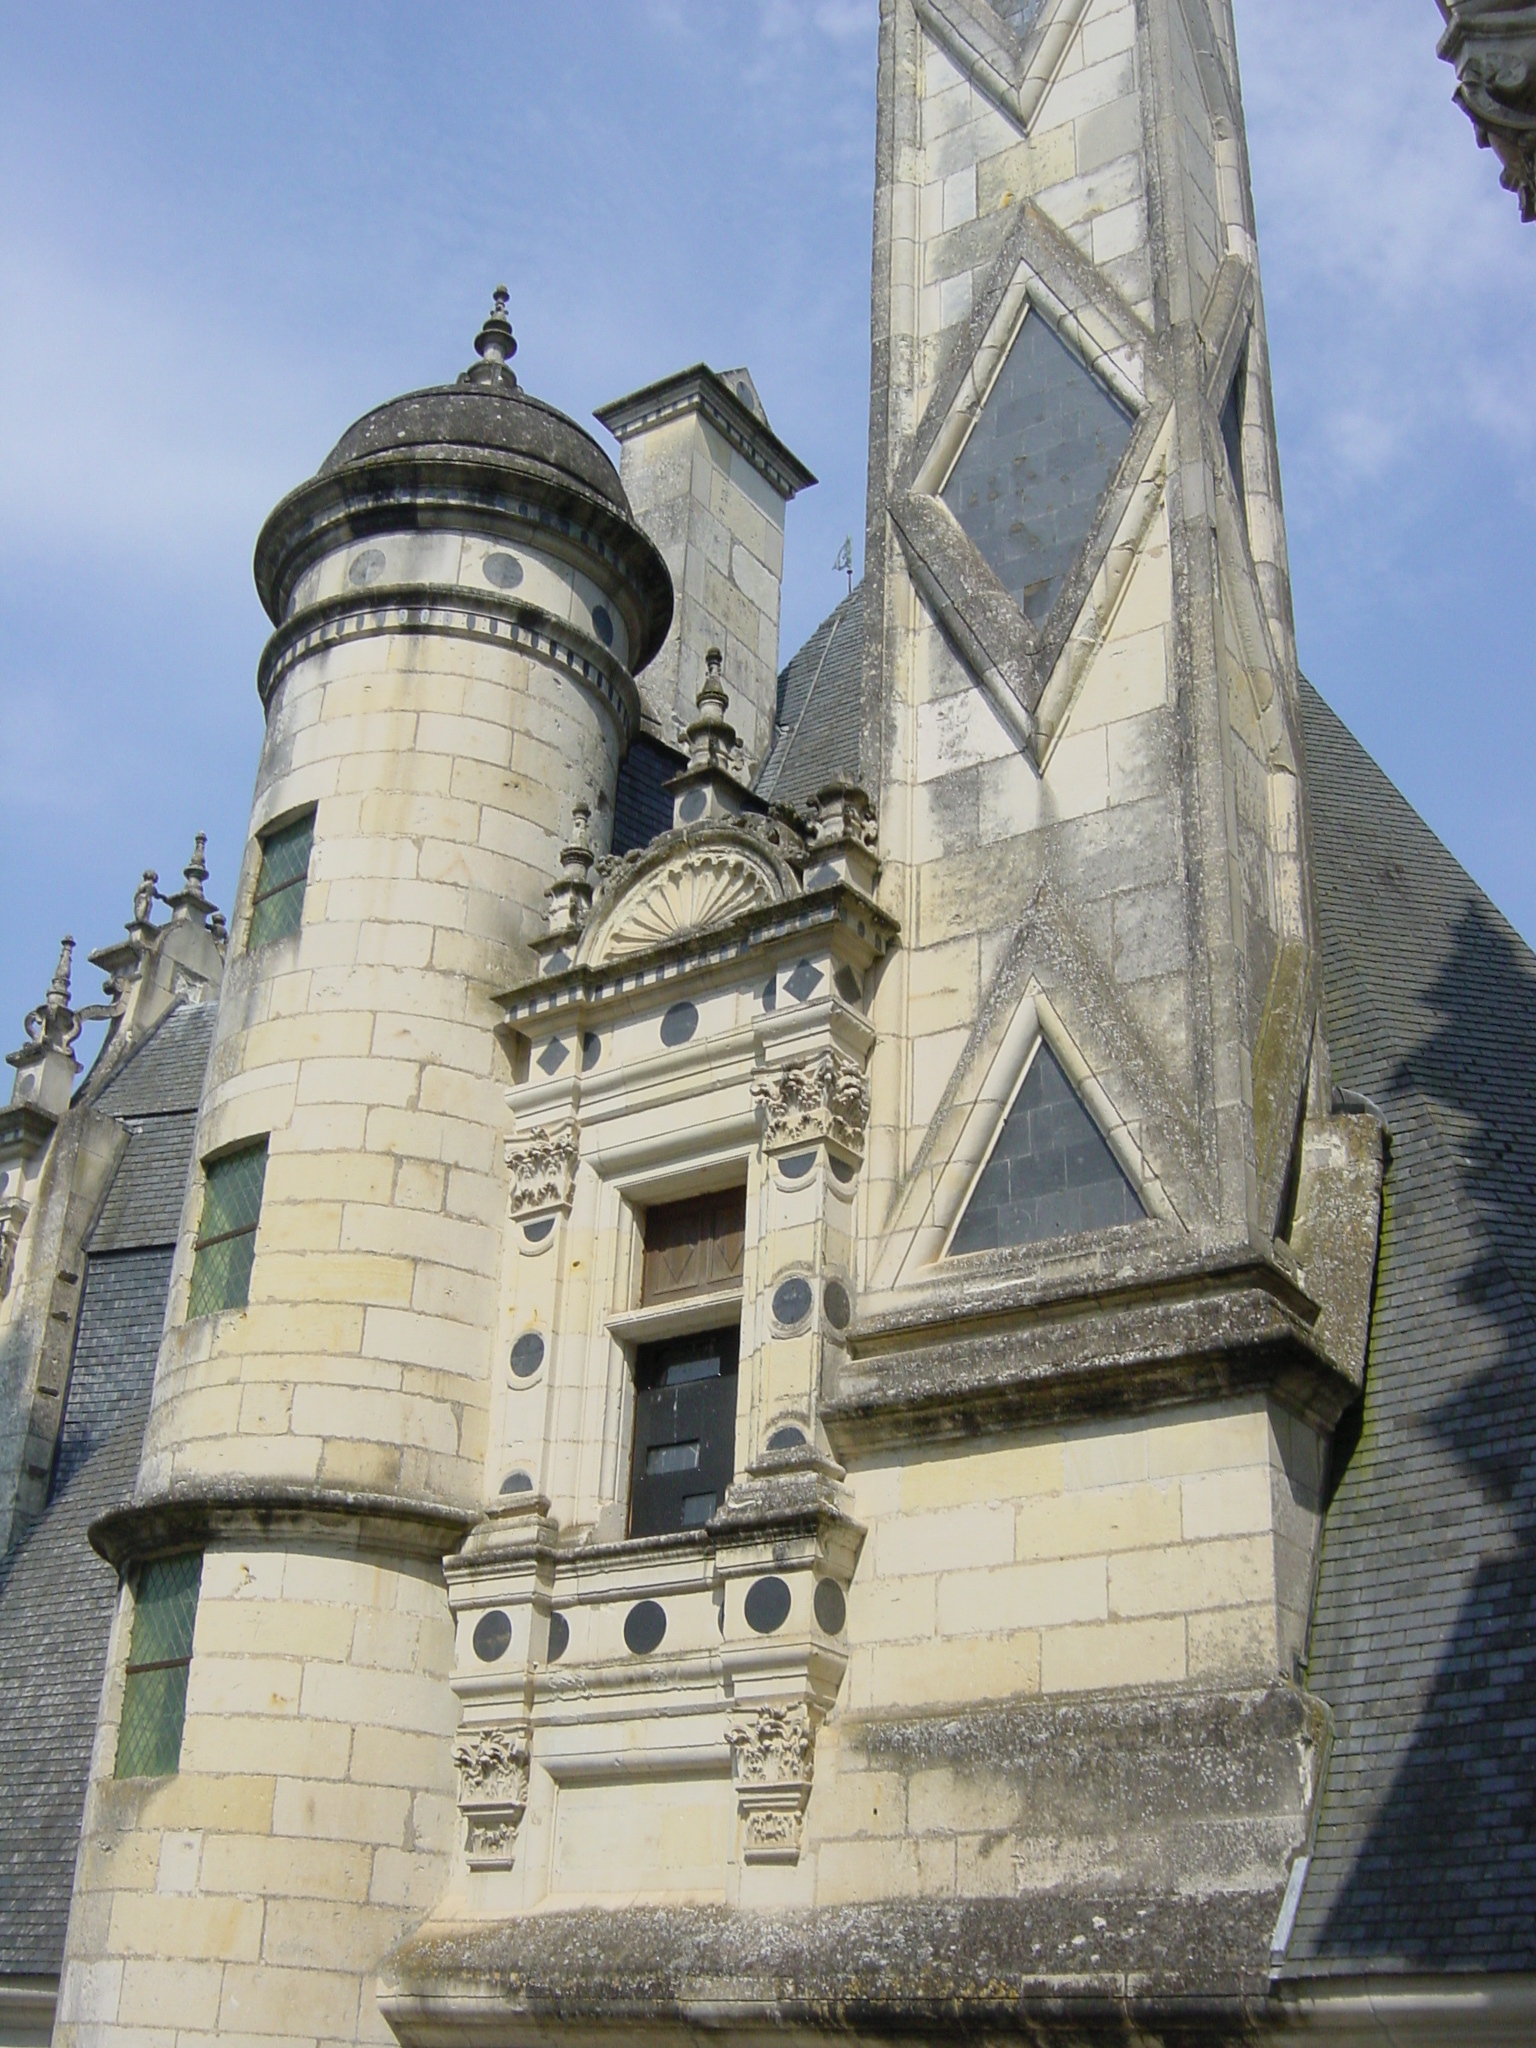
<point x="278" y="909"/>
<point x="159" y="1662"/>
<point x="226" y="1237"/>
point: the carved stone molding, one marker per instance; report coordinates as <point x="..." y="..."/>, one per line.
<point x="542" y="1165"/>
<point x="492" y="1764"/>
<point x="1492" y="44"/>
<point x="823" y="1097"/>
<point x="773" y="1753"/>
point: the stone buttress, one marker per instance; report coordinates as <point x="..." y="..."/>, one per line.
<point x="967" y="1136"/>
<point x="459" y="598"/>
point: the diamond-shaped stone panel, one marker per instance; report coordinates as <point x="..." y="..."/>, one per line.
<point x="1051" y="1173"/>
<point x="1038" y="460"/>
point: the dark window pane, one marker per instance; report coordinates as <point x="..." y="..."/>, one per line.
<point x="226" y="1238"/>
<point x="278" y="910"/>
<point x="1027" y="486"/>
<point x="159" y="1660"/>
<point x="685" y="1431"/>
<point x="1051" y="1172"/>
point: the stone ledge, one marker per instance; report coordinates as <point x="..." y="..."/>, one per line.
<point x="1084" y="1967"/>
<point x="259" y="1512"/>
<point x="957" y="1367"/>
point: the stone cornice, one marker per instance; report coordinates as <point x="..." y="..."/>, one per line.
<point x="700" y="390"/>
<point x="195" y="1514"/>
<point x="446" y="608"/>
<point x="955" y="1361"/>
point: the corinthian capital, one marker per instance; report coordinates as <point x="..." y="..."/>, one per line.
<point x="825" y="1096"/>
<point x="542" y="1167"/>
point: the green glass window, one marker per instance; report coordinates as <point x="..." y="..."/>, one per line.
<point x="278" y="909"/>
<point x="159" y="1658"/>
<point x="226" y="1237"/>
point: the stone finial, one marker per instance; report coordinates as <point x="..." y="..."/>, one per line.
<point x="1492" y="44"/>
<point x="495" y="345"/>
<point x="570" y="895"/>
<point x="844" y="835"/>
<point x="46" y="1064"/>
<point x="190" y="902"/>
<point x="712" y="739"/>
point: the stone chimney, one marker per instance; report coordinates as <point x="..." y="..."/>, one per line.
<point x="708" y="479"/>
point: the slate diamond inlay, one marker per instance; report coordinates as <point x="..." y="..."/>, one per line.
<point x="1029" y="479"/>
<point x="804" y="982"/>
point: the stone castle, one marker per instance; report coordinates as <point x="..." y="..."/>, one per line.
<point x="848" y="1351"/>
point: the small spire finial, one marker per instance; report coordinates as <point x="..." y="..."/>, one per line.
<point x="712" y="694"/>
<point x="58" y="988"/>
<point x="496" y="342"/>
<point x="196" y="870"/>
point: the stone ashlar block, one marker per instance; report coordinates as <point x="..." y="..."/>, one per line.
<point x="296" y="2004"/>
<point x="369" y="1814"/>
<point x="160" y="1994"/>
<point x="194" y="1929"/>
<point x="1235" y="1572"/>
<point x="1112" y="1654"/>
<point x="285" y="1867"/>
<point x="966" y="1668"/>
<point x="1085" y="1524"/>
<point x="945" y="1540"/>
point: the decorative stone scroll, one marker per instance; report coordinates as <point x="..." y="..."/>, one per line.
<point x="822" y="1097"/>
<point x="1492" y="44"/>
<point x="773" y="1752"/>
<point x="542" y="1165"/>
<point x="492" y="1764"/>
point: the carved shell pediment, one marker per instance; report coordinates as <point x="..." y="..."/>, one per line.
<point x="678" y="890"/>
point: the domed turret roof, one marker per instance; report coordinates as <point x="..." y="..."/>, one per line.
<point x="482" y="455"/>
<point x="484" y="413"/>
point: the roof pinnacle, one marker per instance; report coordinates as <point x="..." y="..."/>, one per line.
<point x="495" y="344"/>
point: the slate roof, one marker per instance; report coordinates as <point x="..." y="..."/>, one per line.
<point x="1424" y="1631"/>
<point x="1423" y="1639"/>
<point x="56" y="1596"/>
<point x="816" y="726"/>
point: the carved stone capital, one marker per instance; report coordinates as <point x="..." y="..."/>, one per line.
<point x="542" y="1167"/>
<point x="1492" y="44"/>
<point x="492" y="1764"/>
<point x="825" y="1096"/>
<point x="773" y="1755"/>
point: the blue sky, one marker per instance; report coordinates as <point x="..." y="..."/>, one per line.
<point x="224" y="233"/>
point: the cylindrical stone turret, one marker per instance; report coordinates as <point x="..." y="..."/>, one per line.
<point x="459" y="597"/>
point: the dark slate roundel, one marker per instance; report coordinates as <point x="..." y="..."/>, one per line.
<point x="504" y="571"/>
<point x="517" y="1482"/>
<point x="591" y="1051"/>
<point x="679" y="1024"/>
<point x="493" y="1636"/>
<point x="527" y="1355"/>
<point x="644" y="1626"/>
<point x="560" y="1636"/>
<point x="538" y="1230"/>
<point x="789" y="1438"/>
<point x="365" y="568"/>
<point x="829" y="1606"/>
<point x="798" y="1167"/>
<point x="841" y="1170"/>
<point x="767" y="1606"/>
<point x="692" y="806"/>
<point x="602" y="624"/>
<point x="792" y="1301"/>
<point x="836" y="1306"/>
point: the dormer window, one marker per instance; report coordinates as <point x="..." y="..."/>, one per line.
<point x="685" y="1385"/>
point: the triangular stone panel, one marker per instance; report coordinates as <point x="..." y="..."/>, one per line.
<point x="1031" y="475"/>
<point x="1050" y="1174"/>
